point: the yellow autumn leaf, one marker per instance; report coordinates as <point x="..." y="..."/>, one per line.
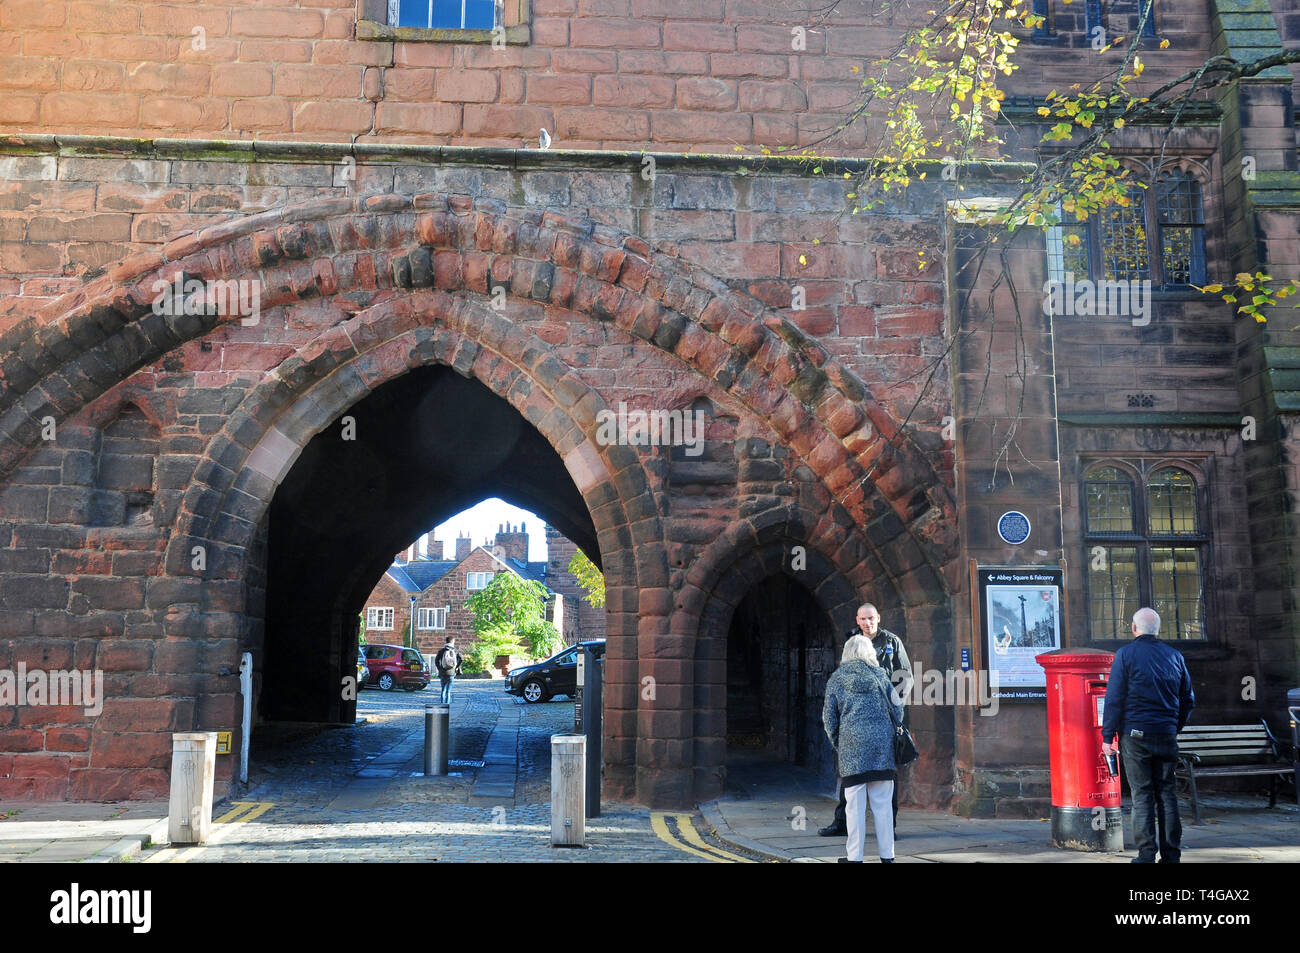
<point x="1164" y="44"/>
<point x="803" y="259"/>
<point x="1044" y="111"/>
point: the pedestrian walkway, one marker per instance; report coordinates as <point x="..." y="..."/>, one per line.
<point x="349" y="794"/>
<point x="776" y="811"/>
<point x="91" y="833"/>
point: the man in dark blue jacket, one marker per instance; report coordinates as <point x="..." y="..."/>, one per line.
<point x="1148" y="701"/>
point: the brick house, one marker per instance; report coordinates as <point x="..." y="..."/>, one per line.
<point x="444" y="310"/>
<point x="441" y="586"/>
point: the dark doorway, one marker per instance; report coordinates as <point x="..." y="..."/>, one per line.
<point x="410" y="454"/>
<point x="780" y="652"/>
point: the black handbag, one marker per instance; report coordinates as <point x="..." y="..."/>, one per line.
<point x="904" y="744"/>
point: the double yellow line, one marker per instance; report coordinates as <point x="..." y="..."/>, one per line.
<point x="242" y="812"/>
<point x="688" y="839"/>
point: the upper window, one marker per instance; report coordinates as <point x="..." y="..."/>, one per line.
<point x="498" y="22"/>
<point x="1121" y="17"/>
<point x="444" y="14"/>
<point x="379" y="617"/>
<point x="1144" y="548"/>
<point x="434" y="618"/>
<point x="478" y="580"/>
<point x="1156" y="235"/>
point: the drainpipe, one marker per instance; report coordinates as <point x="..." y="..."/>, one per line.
<point x="245" y="689"/>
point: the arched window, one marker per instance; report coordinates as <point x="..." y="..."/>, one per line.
<point x="1144" y="548"/>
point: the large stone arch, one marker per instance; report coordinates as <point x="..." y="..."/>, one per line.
<point x="89" y="340"/>
<point x="389" y="260"/>
<point x="233" y="484"/>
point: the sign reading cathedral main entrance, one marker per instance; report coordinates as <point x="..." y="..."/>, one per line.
<point x="1019" y="617"/>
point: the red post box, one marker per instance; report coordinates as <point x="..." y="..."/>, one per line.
<point x="1085" y="797"/>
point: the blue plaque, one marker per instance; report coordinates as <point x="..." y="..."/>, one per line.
<point x="1013" y="527"/>
<point x="965" y="660"/>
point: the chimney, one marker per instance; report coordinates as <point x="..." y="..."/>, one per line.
<point x="559" y="551"/>
<point x="435" y="548"/>
<point x="513" y="543"/>
<point x="462" y="547"/>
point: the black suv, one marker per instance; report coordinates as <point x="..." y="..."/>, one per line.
<point x="558" y="675"/>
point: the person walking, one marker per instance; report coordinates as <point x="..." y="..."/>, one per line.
<point x="447" y="662"/>
<point x="892" y="657"/>
<point x="859" y="715"/>
<point x="1148" y="701"/>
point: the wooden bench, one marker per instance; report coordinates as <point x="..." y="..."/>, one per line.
<point x="1219" y="751"/>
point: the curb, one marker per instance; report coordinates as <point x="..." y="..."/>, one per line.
<point x="129" y="847"/>
<point x="722" y="830"/>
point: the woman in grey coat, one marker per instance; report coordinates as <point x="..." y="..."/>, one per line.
<point x="859" y="716"/>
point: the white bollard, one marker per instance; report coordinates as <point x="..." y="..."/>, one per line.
<point x="568" y="790"/>
<point x="194" y="769"/>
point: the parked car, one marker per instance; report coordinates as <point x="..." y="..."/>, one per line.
<point x="363" y="670"/>
<point x="558" y="675"/>
<point x="392" y="665"/>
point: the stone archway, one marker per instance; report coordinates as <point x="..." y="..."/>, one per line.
<point x="382" y="284"/>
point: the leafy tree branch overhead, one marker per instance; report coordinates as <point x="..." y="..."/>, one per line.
<point x="934" y="99"/>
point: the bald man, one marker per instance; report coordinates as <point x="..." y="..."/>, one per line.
<point x="1148" y="701"/>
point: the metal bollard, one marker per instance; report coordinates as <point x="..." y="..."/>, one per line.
<point x="194" y="768"/>
<point x="437" y="739"/>
<point x="568" y="790"/>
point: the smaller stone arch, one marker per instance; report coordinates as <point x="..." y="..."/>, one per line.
<point x="717" y="584"/>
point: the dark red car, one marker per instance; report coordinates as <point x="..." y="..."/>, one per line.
<point x="392" y="665"/>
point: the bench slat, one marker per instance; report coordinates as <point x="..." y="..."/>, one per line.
<point x="1243" y="770"/>
<point x="1214" y="728"/>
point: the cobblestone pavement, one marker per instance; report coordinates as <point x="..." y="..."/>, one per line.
<point x="355" y="794"/>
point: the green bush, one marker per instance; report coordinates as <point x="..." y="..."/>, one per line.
<point x="482" y="657"/>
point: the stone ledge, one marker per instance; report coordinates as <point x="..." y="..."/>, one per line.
<point x="257" y="150"/>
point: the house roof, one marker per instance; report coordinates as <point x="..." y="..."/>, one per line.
<point x="418" y="576"/>
<point x="421" y="574"/>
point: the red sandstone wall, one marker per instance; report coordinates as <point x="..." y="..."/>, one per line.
<point x="683" y="75"/>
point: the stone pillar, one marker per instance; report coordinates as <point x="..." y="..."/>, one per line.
<point x="1004" y="384"/>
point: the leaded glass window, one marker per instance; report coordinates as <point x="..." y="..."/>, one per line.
<point x="1123" y="235"/>
<point x="1144" y="548"/>
<point x="1182" y="229"/>
<point x="1158" y="237"/>
<point x="1171" y="495"/>
<point x="1110" y="501"/>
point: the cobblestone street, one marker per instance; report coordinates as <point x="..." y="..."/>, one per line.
<point x="356" y="794"/>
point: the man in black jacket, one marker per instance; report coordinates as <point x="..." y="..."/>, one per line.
<point x="893" y="659"/>
<point x="1148" y="701"/>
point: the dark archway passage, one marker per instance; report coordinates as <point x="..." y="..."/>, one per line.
<point x="780" y="651"/>
<point x="412" y="453"/>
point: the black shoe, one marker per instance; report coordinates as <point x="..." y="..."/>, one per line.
<point x="833" y="830"/>
<point x="845" y="860"/>
<point x="886" y="860"/>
